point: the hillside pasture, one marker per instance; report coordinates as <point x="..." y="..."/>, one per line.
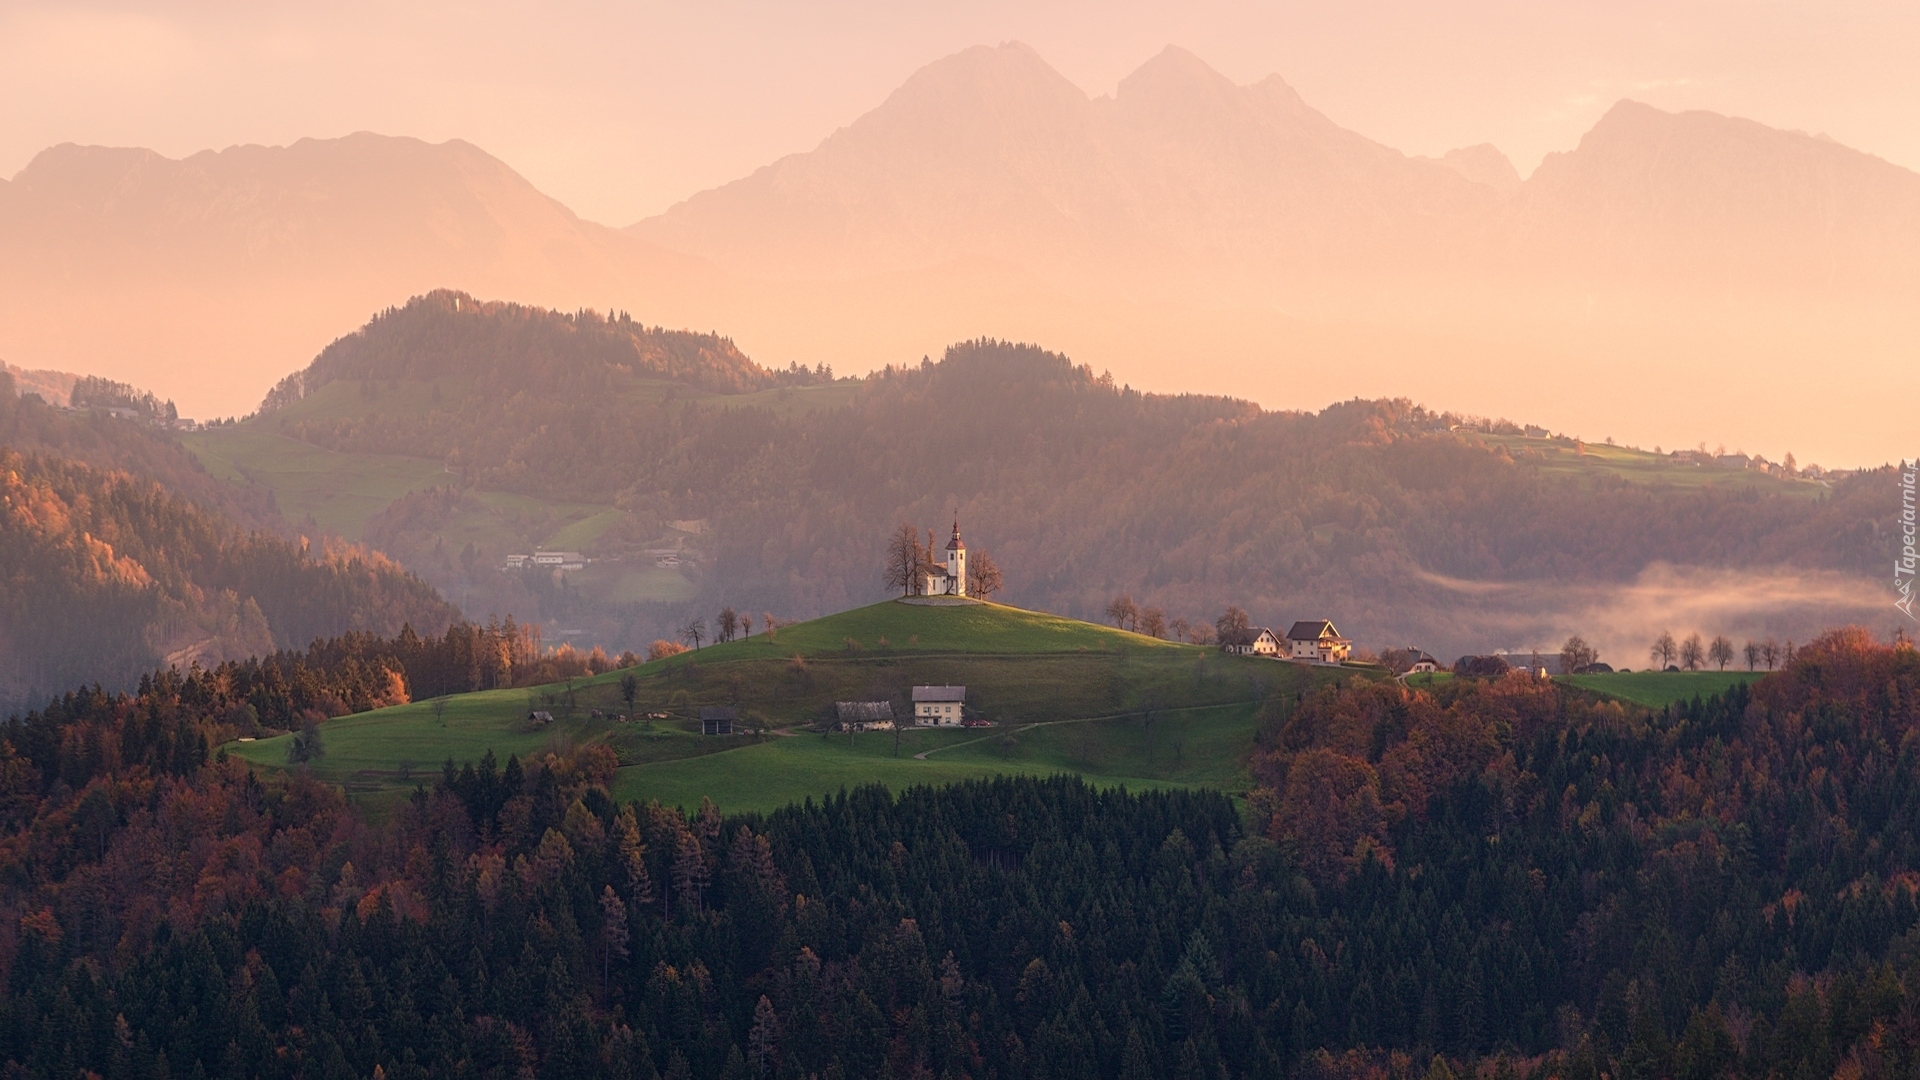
<point x="1063" y="696"/>
<point x="1658" y="689"/>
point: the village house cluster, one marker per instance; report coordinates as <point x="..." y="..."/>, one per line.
<point x="545" y="560"/>
<point x="1312" y="640"/>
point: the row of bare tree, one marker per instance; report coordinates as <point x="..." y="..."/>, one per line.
<point x="1233" y="627"/>
<point x="1691" y="655"/>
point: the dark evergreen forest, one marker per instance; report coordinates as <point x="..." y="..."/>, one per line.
<point x="1505" y="878"/>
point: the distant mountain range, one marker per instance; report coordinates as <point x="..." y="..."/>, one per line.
<point x="1186" y="231"/>
<point x="1182" y="176"/>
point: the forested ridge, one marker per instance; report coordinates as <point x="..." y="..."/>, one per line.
<point x="107" y="443"/>
<point x="109" y="575"/>
<point x="1369" y="512"/>
<point x="1505" y="879"/>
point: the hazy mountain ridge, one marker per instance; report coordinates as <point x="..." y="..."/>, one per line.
<point x="990" y="153"/>
<point x="508" y="343"/>
<point x="1698" y="196"/>
<point x="209" y="268"/>
<point x="1185" y="231"/>
<point x="1373" y="512"/>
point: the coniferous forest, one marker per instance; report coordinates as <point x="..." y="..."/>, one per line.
<point x="1501" y="877"/>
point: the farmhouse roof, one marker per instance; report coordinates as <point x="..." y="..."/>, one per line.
<point x="939" y="693"/>
<point x="719" y="712"/>
<point x="1312" y="630"/>
<point x="865" y="711"/>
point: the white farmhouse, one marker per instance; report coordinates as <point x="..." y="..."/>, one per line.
<point x="938" y="706"/>
<point x="1317" y="640"/>
<point x="951" y="579"/>
<point x="1264" y="643"/>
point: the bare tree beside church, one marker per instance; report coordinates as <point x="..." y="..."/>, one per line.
<point x="904" y="559"/>
<point x="983" y="575"/>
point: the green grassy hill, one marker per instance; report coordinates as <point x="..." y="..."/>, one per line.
<point x="1660" y="688"/>
<point x="1064" y="696"/>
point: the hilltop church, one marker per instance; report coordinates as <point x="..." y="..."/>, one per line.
<point x="950" y="580"/>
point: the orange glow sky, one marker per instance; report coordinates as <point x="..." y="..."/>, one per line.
<point x="621" y="108"/>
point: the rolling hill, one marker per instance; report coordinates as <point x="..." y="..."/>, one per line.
<point x="1063" y="696"/>
<point x="451" y="433"/>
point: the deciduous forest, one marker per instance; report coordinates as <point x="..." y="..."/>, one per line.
<point x="1503" y="877"/>
<point x="109" y="576"/>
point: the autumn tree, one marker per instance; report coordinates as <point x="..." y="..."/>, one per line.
<point x="728" y="623"/>
<point x="1752" y="653"/>
<point x="1720" y="653"/>
<point x="983" y="575"/>
<point x="1577" y="654"/>
<point x="629" y="689"/>
<point x="1770" y="652"/>
<point x="1692" y="655"/>
<point x="1153" y="622"/>
<point x="1122" y="612"/>
<point x="1178" y="628"/>
<point x="1234" y="627"/>
<point x="695" y="631"/>
<point x="1663" y="651"/>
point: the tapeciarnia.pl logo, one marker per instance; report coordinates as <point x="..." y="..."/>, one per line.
<point x="1905" y="565"/>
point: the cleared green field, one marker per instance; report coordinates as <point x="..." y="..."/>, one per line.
<point x="1065" y="696"/>
<point x="1557" y="456"/>
<point x="632" y="582"/>
<point x="1661" y="688"/>
<point x="341" y="492"/>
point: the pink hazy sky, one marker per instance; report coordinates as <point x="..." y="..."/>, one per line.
<point x="621" y="107"/>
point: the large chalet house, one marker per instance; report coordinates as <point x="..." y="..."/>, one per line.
<point x="1316" y="640"/>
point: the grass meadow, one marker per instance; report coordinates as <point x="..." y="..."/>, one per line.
<point x="1063" y="696"/>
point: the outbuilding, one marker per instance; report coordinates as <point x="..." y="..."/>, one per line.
<point x="864" y="715"/>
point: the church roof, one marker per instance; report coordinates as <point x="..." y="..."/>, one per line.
<point x="956" y="544"/>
